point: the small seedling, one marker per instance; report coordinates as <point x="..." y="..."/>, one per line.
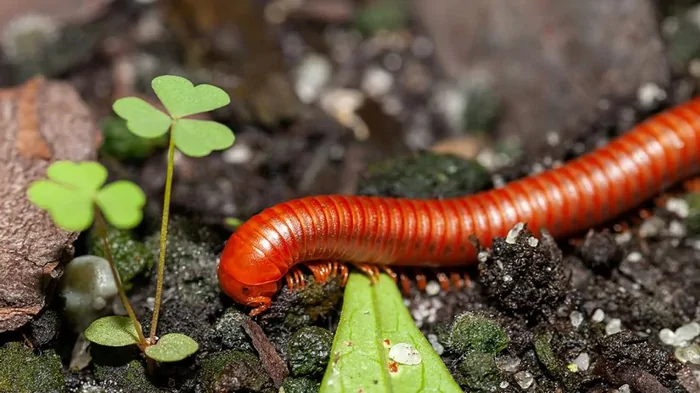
<point x="73" y="197"/>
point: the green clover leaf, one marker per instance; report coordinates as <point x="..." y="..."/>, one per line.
<point x="181" y="98"/>
<point x="172" y="347"/>
<point x="73" y="189"/>
<point x="122" y="203"/>
<point x="113" y="331"/>
<point x="142" y="118"/>
<point x="197" y="138"/>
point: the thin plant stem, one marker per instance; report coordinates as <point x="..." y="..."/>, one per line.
<point x="102" y="230"/>
<point x="163" y="238"/>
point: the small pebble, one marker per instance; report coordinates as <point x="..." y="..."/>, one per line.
<point x="624" y="389"/>
<point x="634" y="256"/>
<point x="690" y="354"/>
<point x="514" y="233"/>
<point x="614" y="326"/>
<point x="508" y="363"/>
<point x="667" y="336"/>
<point x="582" y="361"/>
<point x="377" y="82"/>
<point x="598" y="315"/>
<point x="432" y="288"/>
<point x="678" y="206"/>
<point x="533" y="241"/>
<point x="483" y="256"/>
<point x="524" y="379"/>
<point x="576" y="318"/>
<point x="688" y="332"/>
<point x="313" y="74"/>
<point x="623" y="238"/>
<point x="405" y="353"/>
<point x="650" y="94"/>
<point x="504" y="384"/>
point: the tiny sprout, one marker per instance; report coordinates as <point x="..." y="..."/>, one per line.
<point x="73" y="189"/>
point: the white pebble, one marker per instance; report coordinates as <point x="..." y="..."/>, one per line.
<point x="623" y="238"/>
<point x="432" y="288"/>
<point x="651" y="227"/>
<point x="377" y="82"/>
<point x="524" y="379"/>
<point x="514" y="233"/>
<point x="582" y="361"/>
<point x="598" y="315"/>
<point x="668" y="337"/>
<point x="649" y="94"/>
<point x="678" y="206"/>
<point x="239" y="153"/>
<point x="553" y="138"/>
<point x="576" y="318"/>
<point x="504" y="384"/>
<point x="483" y="256"/>
<point x="433" y="340"/>
<point x="624" y="389"/>
<point x="405" y="353"/>
<point x="312" y="76"/>
<point x="634" y="256"/>
<point x="688" y="332"/>
<point x="507" y="278"/>
<point x="533" y="241"/>
<point x="614" y="326"/>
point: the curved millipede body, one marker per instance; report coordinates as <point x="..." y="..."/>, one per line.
<point x="324" y="232"/>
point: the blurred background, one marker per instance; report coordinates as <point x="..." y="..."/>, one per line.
<point x="323" y="88"/>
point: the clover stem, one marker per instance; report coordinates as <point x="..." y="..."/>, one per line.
<point x="102" y="230"/>
<point x="163" y="236"/>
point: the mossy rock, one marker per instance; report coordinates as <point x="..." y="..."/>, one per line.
<point x="234" y="371"/>
<point x="23" y="371"/>
<point x="308" y="351"/>
<point x="131" y="256"/>
<point x="472" y="332"/>
<point x="130" y="377"/>
<point x="299" y="385"/>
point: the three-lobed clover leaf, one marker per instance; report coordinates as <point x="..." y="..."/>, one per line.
<point x="172" y="347"/>
<point x="195" y="138"/>
<point x="112" y="331"/>
<point x="73" y="189"/>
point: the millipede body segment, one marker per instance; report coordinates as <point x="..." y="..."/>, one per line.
<point x="376" y="233"/>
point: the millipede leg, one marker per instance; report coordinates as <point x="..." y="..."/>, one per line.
<point x="421" y="281"/>
<point x="456" y="281"/>
<point x="369" y="270"/>
<point x="405" y="284"/>
<point x="344" y="272"/>
<point x="444" y="283"/>
<point x="391" y="273"/>
<point x="320" y="270"/>
<point x="467" y="280"/>
<point x="295" y="279"/>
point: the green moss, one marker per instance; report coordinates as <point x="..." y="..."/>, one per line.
<point x="122" y="144"/>
<point x="229" y="330"/>
<point x="478" y="372"/>
<point x="130" y="377"/>
<point x="427" y="175"/>
<point x="131" y="256"/>
<point x="234" y="371"/>
<point x="546" y="356"/>
<point x="23" y="371"/>
<point x="299" y="385"/>
<point x="309" y="350"/>
<point x="473" y="332"/>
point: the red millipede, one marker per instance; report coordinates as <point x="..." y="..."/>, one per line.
<point x="373" y="233"/>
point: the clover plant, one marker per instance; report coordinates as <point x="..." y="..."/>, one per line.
<point x="74" y="197"/>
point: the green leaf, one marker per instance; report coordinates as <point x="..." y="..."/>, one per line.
<point x="112" y="331"/>
<point x="70" y="210"/>
<point x="181" y="98"/>
<point x="172" y="347"/>
<point x="68" y="195"/>
<point x="122" y="203"/>
<point x="84" y="176"/>
<point x="142" y="118"/>
<point x="360" y="358"/>
<point x="197" y="138"/>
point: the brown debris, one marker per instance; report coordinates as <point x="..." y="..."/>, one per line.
<point x="271" y="360"/>
<point x="40" y="122"/>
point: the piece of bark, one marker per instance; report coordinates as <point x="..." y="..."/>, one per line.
<point x="40" y="122"/>
<point x="551" y="62"/>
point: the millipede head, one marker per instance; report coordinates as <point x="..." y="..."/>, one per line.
<point x="258" y="296"/>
